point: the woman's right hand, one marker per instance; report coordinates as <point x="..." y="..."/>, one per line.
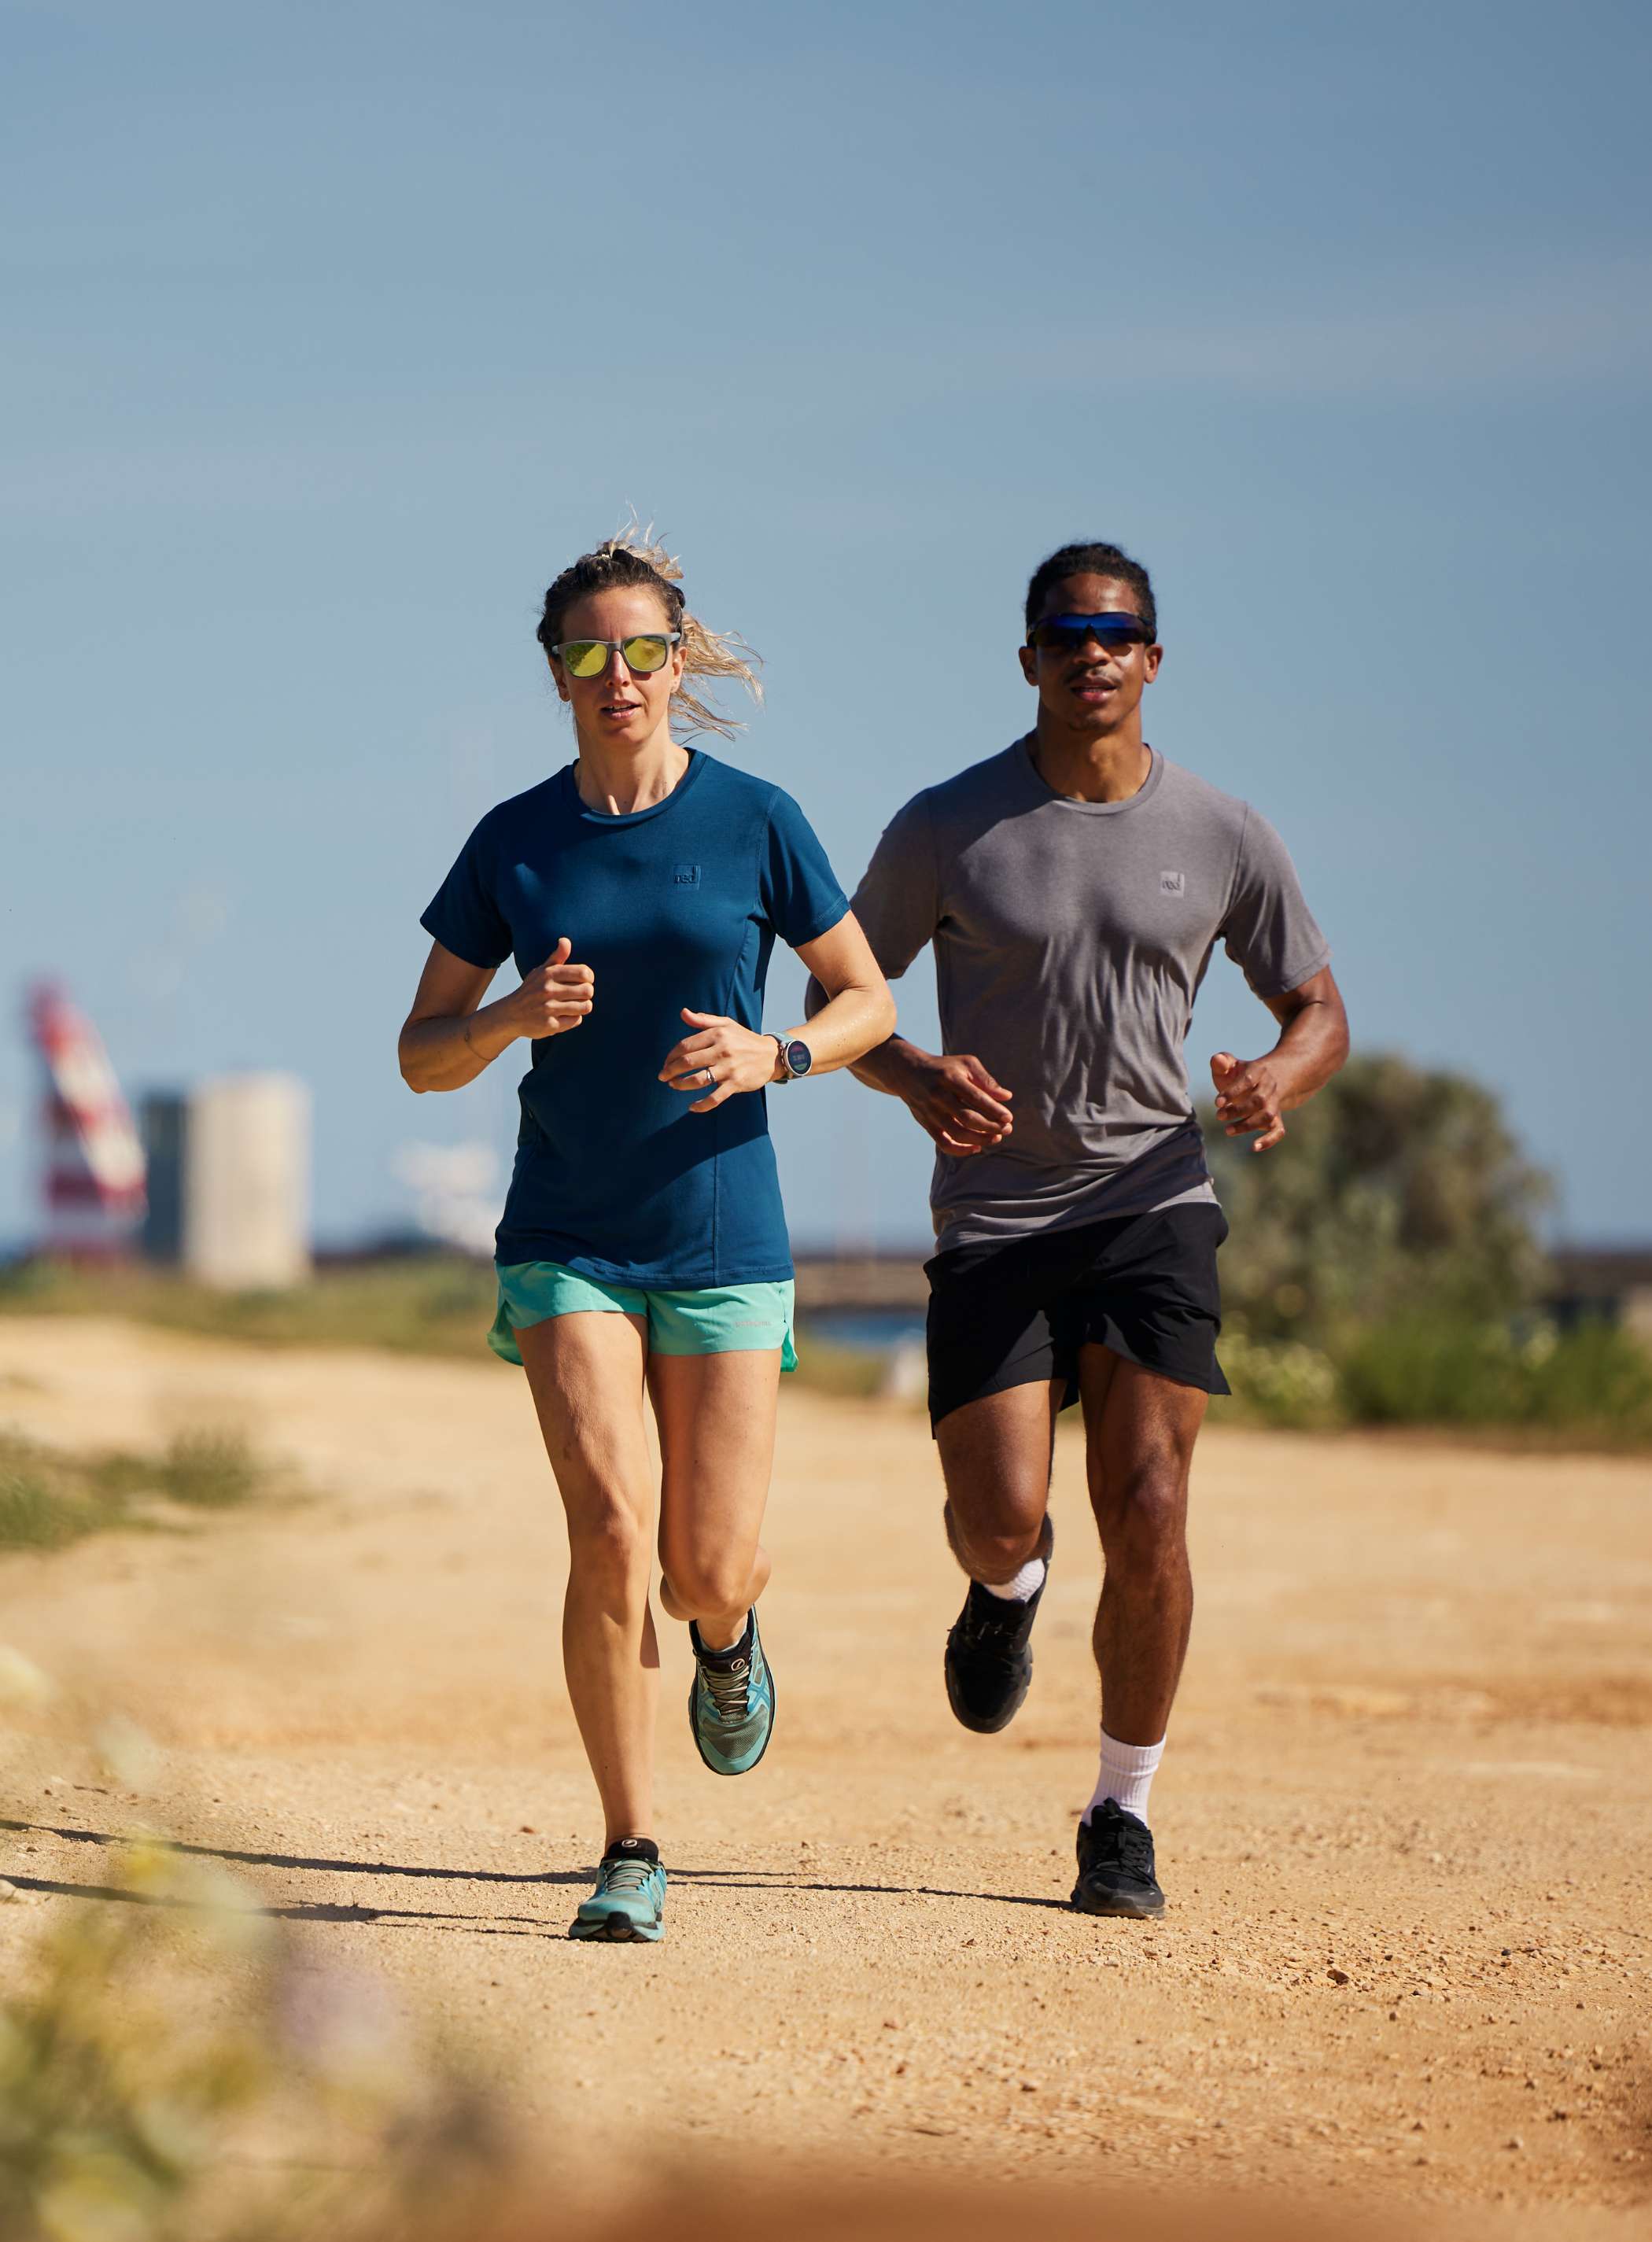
<point x="554" y="997"/>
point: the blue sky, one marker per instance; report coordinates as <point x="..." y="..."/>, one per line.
<point x="330" y="333"/>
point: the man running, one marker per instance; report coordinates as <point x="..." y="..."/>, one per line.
<point x="1074" y="887"/>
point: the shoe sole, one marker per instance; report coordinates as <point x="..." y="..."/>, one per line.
<point x="968" y="1720"/>
<point x="1134" y="1911"/>
<point x="617" y="1931"/>
<point x="733" y="1773"/>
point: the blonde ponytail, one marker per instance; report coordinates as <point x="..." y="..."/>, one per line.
<point x="632" y="556"/>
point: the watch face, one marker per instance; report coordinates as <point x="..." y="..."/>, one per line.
<point x="799" y="1058"/>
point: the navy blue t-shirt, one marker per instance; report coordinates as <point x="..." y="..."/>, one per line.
<point x="676" y="904"/>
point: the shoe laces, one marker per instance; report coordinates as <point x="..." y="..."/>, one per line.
<point x="730" y="1688"/>
<point x="1128" y="1845"/>
<point x="625" y="1874"/>
<point x="995" y="1633"/>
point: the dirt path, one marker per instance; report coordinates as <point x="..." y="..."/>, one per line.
<point x="1404" y="1821"/>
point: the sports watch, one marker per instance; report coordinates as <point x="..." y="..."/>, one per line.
<point x="796" y="1058"/>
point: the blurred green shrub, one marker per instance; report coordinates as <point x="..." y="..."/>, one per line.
<point x="1396" y="1191"/>
<point x="1279" y="1382"/>
<point x="1383" y="1264"/>
<point x="1420" y="1370"/>
<point x="213" y="1470"/>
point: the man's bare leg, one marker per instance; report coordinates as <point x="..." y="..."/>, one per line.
<point x="995" y="1456"/>
<point x="995" y="1459"/>
<point x="1139" y="1433"/>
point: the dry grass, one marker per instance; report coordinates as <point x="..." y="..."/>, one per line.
<point x="49" y="1497"/>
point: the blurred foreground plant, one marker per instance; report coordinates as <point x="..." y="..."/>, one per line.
<point x="175" y="2068"/>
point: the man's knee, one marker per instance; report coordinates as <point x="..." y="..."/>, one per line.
<point x="996" y="1547"/>
<point x="1142" y="1515"/>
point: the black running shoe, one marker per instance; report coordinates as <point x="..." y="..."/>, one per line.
<point x="988" y="1664"/>
<point x="1116" y="1865"/>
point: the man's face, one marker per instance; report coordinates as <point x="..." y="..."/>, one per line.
<point x="1090" y="688"/>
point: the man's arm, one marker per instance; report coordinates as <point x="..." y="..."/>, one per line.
<point x="900" y="904"/>
<point x="955" y="1099"/>
<point x="1256" y="1094"/>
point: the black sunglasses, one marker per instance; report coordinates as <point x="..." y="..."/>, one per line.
<point x="1068" y="633"/>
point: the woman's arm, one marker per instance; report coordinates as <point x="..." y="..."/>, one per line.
<point x="858" y="1013"/>
<point x="861" y="1011"/>
<point x="449" y="1036"/>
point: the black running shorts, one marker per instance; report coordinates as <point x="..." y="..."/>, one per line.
<point x="1017" y="1313"/>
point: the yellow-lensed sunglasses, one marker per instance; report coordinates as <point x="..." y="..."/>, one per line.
<point x="643" y="654"/>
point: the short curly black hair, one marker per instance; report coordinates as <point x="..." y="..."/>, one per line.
<point x="1095" y="560"/>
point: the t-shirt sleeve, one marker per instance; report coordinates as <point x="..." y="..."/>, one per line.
<point x="463" y="913"/>
<point x="797" y="888"/>
<point x="1269" y="931"/>
<point x="898" y="902"/>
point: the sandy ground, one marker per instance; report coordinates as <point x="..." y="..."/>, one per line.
<point x="1405" y="1821"/>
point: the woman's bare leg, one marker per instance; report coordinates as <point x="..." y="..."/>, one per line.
<point x="717" y="1419"/>
<point x="585" y="1372"/>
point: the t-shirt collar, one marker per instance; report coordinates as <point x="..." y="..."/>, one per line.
<point x="1022" y="754"/>
<point x="581" y="808"/>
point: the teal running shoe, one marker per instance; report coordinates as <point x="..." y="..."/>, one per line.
<point x="731" y="1703"/>
<point x="630" y="1899"/>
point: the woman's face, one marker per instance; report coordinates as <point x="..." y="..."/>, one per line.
<point x="619" y="705"/>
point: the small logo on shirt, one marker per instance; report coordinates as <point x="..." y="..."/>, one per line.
<point x="686" y="875"/>
<point x="1172" y="883"/>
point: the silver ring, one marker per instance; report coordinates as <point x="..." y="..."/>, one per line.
<point x="709" y="1077"/>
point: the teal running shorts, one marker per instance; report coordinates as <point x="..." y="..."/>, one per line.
<point x="709" y="1319"/>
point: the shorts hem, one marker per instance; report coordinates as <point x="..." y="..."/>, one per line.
<point x="522" y="1256"/>
<point x="1013" y="1376"/>
<point x="673" y="1332"/>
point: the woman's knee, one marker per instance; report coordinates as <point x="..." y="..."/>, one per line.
<point x="607" y="1542"/>
<point x="708" y="1583"/>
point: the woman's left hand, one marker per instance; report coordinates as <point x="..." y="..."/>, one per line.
<point x="718" y="1059"/>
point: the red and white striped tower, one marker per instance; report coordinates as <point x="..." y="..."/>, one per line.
<point x="92" y="1187"/>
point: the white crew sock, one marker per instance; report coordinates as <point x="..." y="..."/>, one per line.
<point x="1025" y="1585"/>
<point x="1127" y="1772"/>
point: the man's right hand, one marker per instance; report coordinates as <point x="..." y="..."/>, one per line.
<point x="553" y="997"/>
<point x="956" y="1100"/>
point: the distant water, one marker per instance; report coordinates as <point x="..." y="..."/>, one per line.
<point x="879" y="1331"/>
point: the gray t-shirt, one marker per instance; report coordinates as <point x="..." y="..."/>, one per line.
<point x="1070" y="938"/>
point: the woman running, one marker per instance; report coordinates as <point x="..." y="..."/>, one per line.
<point x="643" y="1246"/>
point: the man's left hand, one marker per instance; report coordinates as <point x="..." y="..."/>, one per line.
<point x="1249" y="1095"/>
